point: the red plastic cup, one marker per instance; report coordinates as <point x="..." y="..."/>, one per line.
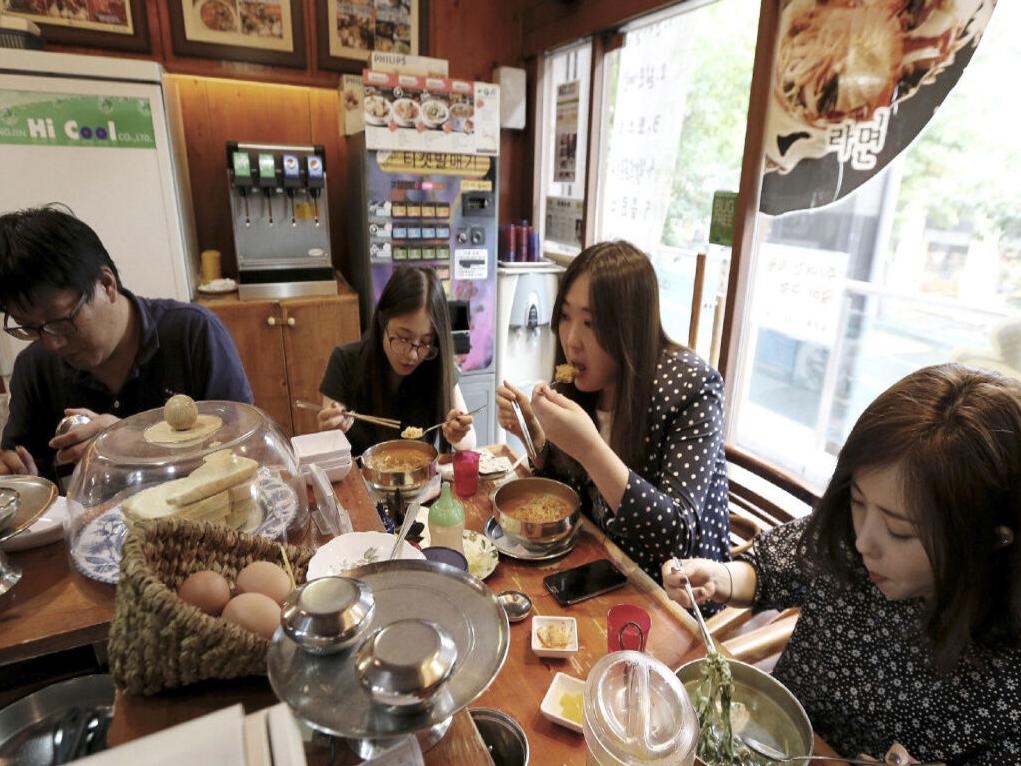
<point x="627" y="627"/>
<point x="466" y="472"/>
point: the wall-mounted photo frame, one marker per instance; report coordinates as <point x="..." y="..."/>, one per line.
<point x="347" y="31"/>
<point x="117" y="24"/>
<point x="254" y="31"/>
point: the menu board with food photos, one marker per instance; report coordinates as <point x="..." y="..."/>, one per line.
<point x="838" y="117"/>
<point x="358" y="27"/>
<point x="436" y="114"/>
<point x="245" y="23"/>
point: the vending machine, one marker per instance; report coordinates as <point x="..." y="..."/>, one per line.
<point x="425" y="176"/>
<point x="437" y="210"/>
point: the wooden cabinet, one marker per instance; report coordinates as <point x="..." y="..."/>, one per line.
<point x="285" y="345"/>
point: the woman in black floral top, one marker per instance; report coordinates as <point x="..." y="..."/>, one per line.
<point x="639" y="431"/>
<point x="908" y="575"/>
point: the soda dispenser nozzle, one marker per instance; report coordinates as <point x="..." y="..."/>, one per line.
<point x="241" y="165"/>
<point x="315" y="180"/>
<point x="268" y="181"/>
<point x="292" y="180"/>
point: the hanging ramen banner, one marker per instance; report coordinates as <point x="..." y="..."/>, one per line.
<point x="853" y="83"/>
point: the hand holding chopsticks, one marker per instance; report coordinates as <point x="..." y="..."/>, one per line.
<point x="384" y="422"/>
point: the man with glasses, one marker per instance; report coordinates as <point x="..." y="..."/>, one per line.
<point x="97" y="350"/>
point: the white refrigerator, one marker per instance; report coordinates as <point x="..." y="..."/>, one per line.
<point x="103" y="136"/>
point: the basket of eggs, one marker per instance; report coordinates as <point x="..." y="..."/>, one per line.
<point x="197" y="601"/>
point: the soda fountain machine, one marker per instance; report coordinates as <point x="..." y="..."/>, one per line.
<point x="281" y="220"/>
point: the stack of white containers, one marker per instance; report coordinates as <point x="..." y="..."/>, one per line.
<point x="330" y="450"/>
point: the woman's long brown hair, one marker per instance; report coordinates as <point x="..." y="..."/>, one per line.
<point x="955" y="432"/>
<point x="624" y="300"/>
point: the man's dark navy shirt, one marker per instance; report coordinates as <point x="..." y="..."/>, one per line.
<point x="184" y="349"/>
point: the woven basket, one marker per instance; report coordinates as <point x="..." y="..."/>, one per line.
<point x="159" y="642"/>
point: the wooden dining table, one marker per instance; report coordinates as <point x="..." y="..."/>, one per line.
<point x="56" y="608"/>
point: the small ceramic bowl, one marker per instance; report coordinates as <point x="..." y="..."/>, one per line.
<point x="541" y="650"/>
<point x="552" y="707"/>
<point x="329" y="614"/>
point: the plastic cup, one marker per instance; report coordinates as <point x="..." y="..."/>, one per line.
<point x="627" y="628"/>
<point x="466" y="473"/>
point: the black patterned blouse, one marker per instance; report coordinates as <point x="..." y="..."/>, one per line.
<point x="675" y="504"/>
<point x="859" y="664"/>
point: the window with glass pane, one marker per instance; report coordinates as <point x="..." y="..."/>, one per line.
<point x="676" y="98"/>
<point x="919" y="266"/>
<point x="567" y="78"/>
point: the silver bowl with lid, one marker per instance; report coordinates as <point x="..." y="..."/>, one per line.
<point x="328" y="614"/>
<point x="404" y="664"/>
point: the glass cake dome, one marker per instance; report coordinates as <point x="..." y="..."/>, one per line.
<point x="232" y="466"/>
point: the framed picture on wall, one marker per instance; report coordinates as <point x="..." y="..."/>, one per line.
<point x="347" y="31"/>
<point x="118" y="24"/>
<point x="256" y="31"/>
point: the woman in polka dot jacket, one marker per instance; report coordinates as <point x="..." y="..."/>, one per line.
<point x="639" y="431"/>
<point x="908" y="575"/>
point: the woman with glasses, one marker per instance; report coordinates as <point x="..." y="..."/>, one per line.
<point x="402" y="368"/>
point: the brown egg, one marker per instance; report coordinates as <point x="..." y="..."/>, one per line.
<point x="265" y="578"/>
<point x="254" y="612"/>
<point x="206" y="590"/>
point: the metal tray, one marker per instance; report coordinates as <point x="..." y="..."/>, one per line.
<point x="515" y="550"/>
<point x="28" y="726"/>
<point x="324" y="691"/>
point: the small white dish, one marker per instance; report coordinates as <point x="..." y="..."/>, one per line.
<point x="541" y="650"/>
<point x="490" y="466"/>
<point x="330" y="450"/>
<point x="48" y="528"/>
<point x="551" y="707"/>
<point x="218" y="286"/>
<point x="355" y="549"/>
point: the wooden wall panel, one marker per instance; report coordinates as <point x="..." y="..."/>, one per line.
<point x="476" y="36"/>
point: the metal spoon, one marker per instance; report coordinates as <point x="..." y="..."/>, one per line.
<point x="776" y="755"/>
<point x="410" y="513"/>
<point x="441" y="424"/>
<point x="710" y="645"/>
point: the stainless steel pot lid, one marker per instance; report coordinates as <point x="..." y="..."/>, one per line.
<point x="325" y="691"/>
<point x="28" y="497"/>
<point x="328" y="614"/>
<point x="405" y="663"/>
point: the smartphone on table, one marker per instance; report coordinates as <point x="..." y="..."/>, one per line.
<point x="569" y="586"/>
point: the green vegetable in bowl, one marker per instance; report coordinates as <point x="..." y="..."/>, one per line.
<point x="717" y="745"/>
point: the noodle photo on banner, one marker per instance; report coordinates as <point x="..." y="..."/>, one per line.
<point x="854" y="82"/>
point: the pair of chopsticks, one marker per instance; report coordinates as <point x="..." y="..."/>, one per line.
<point x="385" y="422"/>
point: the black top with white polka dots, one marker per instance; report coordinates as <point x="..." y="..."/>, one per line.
<point x="676" y="503"/>
<point x="860" y="666"/>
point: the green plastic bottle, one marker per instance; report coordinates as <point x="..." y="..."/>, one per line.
<point x="446" y="521"/>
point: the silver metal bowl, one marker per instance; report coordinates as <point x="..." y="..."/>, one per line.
<point x="775" y="715"/>
<point x="328" y="614"/>
<point x="536" y="536"/>
<point x="504" y="737"/>
<point x="390" y="481"/>
<point x="404" y="664"/>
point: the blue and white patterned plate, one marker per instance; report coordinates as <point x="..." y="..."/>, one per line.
<point x="96" y="551"/>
